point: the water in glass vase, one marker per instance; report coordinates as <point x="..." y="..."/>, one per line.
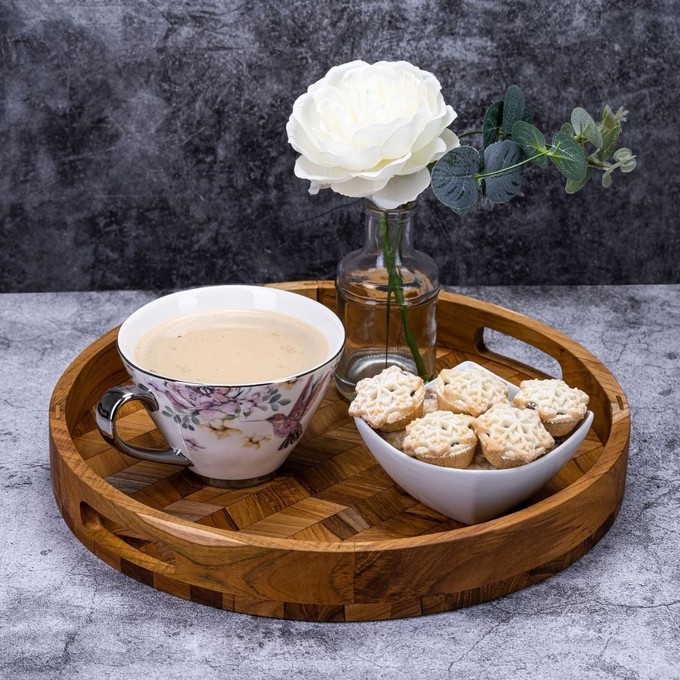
<point x="386" y="297"/>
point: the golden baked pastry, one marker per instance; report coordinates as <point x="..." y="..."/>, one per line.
<point x="441" y="438"/>
<point x="468" y="390"/>
<point x="511" y="436"/>
<point x="390" y="400"/>
<point x="559" y="406"/>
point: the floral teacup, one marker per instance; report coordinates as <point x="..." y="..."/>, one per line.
<point x="230" y="435"/>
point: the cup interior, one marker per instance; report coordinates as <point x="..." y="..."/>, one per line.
<point x="231" y="297"/>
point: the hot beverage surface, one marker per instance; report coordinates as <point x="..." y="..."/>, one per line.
<point x="231" y="347"/>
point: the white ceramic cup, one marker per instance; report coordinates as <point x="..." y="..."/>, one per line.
<point x="230" y="435"/>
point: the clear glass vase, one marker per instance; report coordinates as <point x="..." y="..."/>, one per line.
<point x="387" y="298"/>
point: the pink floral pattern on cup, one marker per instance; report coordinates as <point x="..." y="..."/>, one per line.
<point x="215" y="409"/>
<point x="191" y="405"/>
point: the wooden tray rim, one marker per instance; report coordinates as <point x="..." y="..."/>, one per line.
<point x="162" y="521"/>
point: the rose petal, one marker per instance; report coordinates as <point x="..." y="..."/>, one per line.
<point x="356" y="160"/>
<point x="434" y="127"/>
<point x="422" y="158"/>
<point x="432" y="152"/>
<point x="301" y="141"/>
<point x="399" y="143"/>
<point x="358" y="187"/>
<point x="451" y="139"/>
<point x="401" y="189"/>
<point x="336" y="73"/>
<point x="306" y="169"/>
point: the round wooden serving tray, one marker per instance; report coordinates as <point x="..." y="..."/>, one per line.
<point x="332" y="538"/>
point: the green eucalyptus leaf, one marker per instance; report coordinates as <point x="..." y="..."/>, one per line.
<point x="459" y="162"/>
<point x="609" y="121"/>
<point x="569" y="129"/>
<point x="532" y="141"/>
<point x="581" y="119"/>
<point x="609" y="138"/>
<point x="585" y="126"/>
<point x="607" y="180"/>
<point x="503" y="186"/>
<point x="568" y="157"/>
<point x="464" y="211"/>
<point x="453" y="178"/>
<point x="528" y="115"/>
<point x="628" y="165"/>
<point x="572" y="187"/>
<point x="623" y="154"/>
<point x="492" y="122"/>
<point x="513" y="108"/>
<point x="594" y="136"/>
<point x="466" y="199"/>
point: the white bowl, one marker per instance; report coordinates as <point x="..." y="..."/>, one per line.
<point x="471" y="496"/>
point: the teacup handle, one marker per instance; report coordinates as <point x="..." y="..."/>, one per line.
<point x="108" y="407"/>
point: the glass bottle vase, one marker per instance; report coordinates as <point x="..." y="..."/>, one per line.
<point x="387" y="298"/>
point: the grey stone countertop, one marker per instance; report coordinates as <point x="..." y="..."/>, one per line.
<point x="615" y="613"/>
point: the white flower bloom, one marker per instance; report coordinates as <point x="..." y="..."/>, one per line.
<point x="371" y="130"/>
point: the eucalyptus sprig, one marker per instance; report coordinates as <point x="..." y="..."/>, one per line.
<point x="510" y="142"/>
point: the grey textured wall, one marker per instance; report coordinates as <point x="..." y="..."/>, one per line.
<point x="143" y="141"/>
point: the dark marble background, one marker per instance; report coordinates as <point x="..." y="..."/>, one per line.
<point x="143" y="142"/>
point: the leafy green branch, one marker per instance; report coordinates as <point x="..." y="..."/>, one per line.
<point x="510" y="142"/>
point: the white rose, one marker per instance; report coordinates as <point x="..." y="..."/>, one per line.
<point x="371" y="130"/>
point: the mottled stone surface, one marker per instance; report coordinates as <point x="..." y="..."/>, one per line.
<point x="613" y="614"/>
<point x="144" y="145"/>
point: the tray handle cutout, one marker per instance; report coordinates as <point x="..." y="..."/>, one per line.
<point x="502" y="344"/>
<point x="464" y="328"/>
<point x="116" y="539"/>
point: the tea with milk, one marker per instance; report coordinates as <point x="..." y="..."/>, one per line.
<point x="231" y="347"/>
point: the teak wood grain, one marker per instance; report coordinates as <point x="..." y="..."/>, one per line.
<point x="332" y="538"/>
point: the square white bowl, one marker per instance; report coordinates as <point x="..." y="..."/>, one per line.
<point x="471" y="496"/>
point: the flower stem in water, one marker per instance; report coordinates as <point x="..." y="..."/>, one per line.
<point x="396" y="288"/>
